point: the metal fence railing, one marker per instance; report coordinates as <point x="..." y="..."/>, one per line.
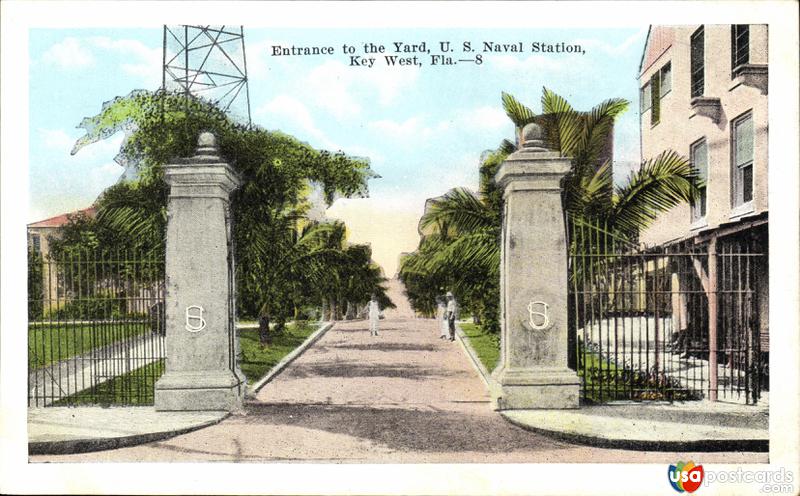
<point x="668" y="323"/>
<point x="95" y="328"/>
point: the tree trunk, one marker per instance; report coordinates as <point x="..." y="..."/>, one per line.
<point x="340" y="308"/>
<point x="333" y="309"/>
<point x="263" y="330"/>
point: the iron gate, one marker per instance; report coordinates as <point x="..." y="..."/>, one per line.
<point x="95" y="328"/>
<point x="668" y="323"/>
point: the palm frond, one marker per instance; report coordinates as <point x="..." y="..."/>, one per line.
<point x="460" y="209"/>
<point x="660" y="184"/>
<point x="516" y="111"/>
<point x="598" y="125"/>
<point x="553" y="103"/>
<point x="594" y="194"/>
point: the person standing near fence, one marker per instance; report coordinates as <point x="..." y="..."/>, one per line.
<point x="374" y="315"/>
<point x="441" y="317"/>
<point x="450" y="313"/>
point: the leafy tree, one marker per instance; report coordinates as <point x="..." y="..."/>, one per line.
<point x="462" y="228"/>
<point x="278" y="262"/>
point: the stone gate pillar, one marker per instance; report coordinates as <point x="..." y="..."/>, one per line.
<point x="533" y="371"/>
<point x="201" y="368"/>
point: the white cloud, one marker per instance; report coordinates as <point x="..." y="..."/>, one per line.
<point x="290" y="115"/>
<point x="389" y="81"/>
<point x="284" y="108"/>
<point x="486" y="118"/>
<point x="335" y="87"/>
<point x="259" y="58"/>
<point x="141" y="61"/>
<point x="62" y="142"/>
<point x="329" y="87"/>
<point x="413" y="127"/>
<point x="482" y="119"/>
<point x="57" y="139"/>
<point x="364" y="152"/>
<point x="104" y="176"/>
<point x="69" y="53"/>
<point x="136" y="58"/>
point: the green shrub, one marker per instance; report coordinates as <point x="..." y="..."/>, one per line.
<point x="35" y="286"/>
<point x="91" y="309"/>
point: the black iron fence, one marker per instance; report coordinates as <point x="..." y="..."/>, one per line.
<point x="95" y="328"/>
<point x="668" y="323"/>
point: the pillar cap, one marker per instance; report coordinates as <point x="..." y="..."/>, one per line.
<point x="533" y="137"/>
<point x="533" y="161"/>
<point x="206" y="152"/>
<point x="206" y="167"/>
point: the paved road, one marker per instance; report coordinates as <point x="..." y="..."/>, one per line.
<point x="403" y="396"/>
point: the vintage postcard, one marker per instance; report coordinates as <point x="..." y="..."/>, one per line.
<point x="400" y="248"/>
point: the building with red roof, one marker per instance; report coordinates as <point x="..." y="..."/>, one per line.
<point x="38" y="232"/>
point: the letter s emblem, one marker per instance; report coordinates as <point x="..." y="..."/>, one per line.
<point x="194" y="318"/>
<point x="542" y="316"/>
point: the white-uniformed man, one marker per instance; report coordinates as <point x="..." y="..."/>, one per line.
<point x="374" y="315"/>
<point x="441" y="317"/>
<point x="450" y="312"/>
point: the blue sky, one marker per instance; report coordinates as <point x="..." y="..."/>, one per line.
<point x="423" y="128"/>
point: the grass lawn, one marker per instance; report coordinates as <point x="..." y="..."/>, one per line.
<point x="486" y="346"/>
<point x="137" y="387"/>
<point x="599" y="385"/>
<point x="134" y="388"/>
<point x="257" y="361"/>
<point x="53" y="342"/>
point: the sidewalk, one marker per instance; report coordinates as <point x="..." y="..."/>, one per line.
<point x="686" y="426"/>
<point x="62" y="430"/>
<point x="689" y="426"/>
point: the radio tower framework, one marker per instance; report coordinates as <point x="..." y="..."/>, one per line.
<point x="208" y="62"/>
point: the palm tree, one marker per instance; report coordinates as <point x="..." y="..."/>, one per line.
<point x="469" y="246"/>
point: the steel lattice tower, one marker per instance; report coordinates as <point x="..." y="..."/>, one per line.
<point x="208" y="62"/>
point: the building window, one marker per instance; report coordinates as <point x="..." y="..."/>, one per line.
<point x="645" y="98"/>
<point x="655" y="92"/>
<point x="742" y="143"/>
<point x="666" y="79"/>
<point x="36" y="243"/>
<point x="699" y="157"/>
<point x="697" y="64"/>
<point x="650" y="94"/>
<point x="740" y="45"/>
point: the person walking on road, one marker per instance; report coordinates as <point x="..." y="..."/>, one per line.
<point x="450" y="313"/>
<point x="374" y="315"/>
<point x="441" y="317"/>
